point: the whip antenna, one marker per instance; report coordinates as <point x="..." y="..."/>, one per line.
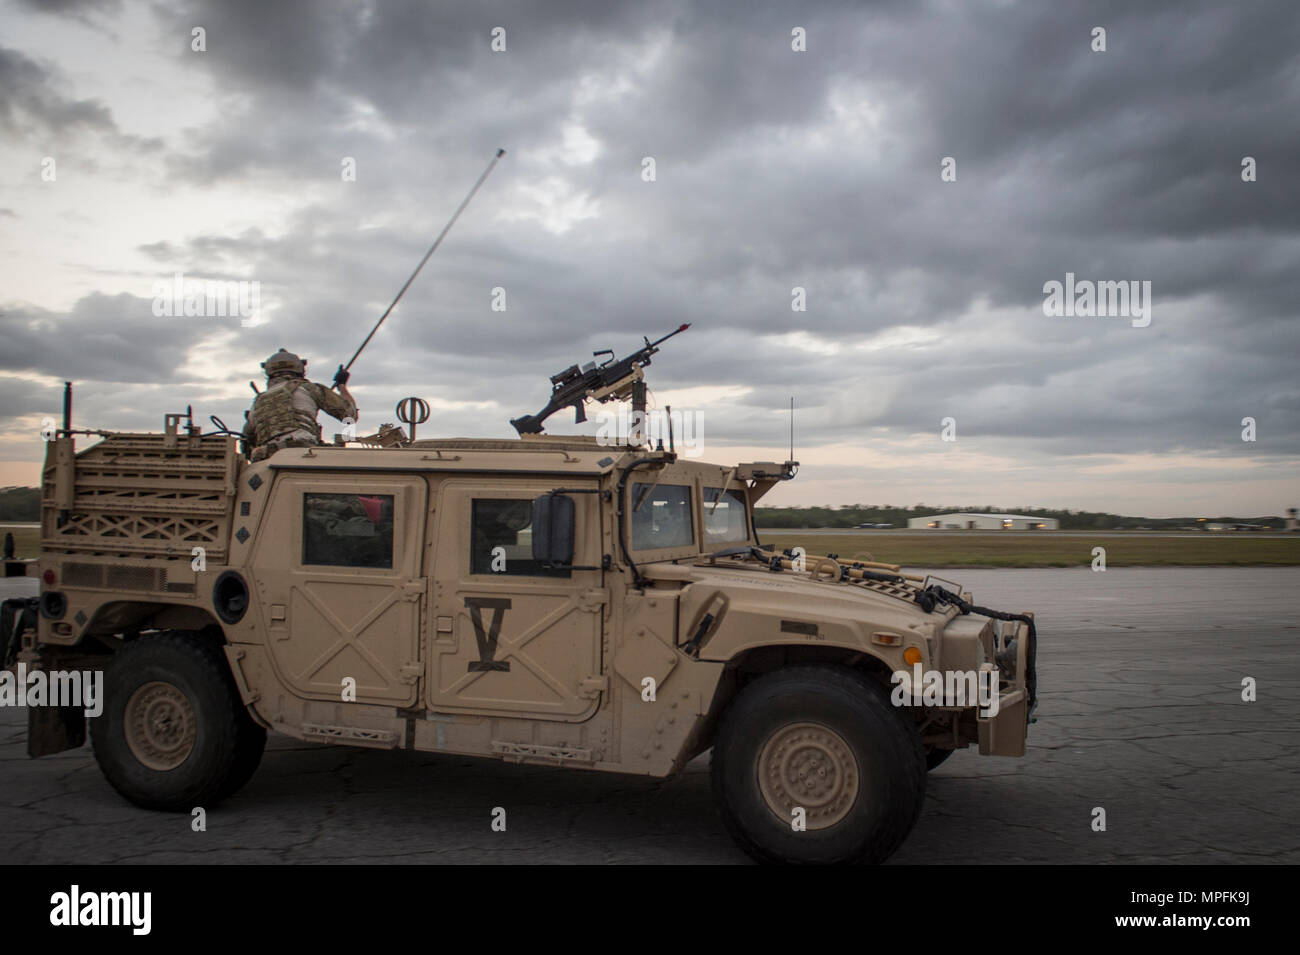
<point x="433" y="248"/>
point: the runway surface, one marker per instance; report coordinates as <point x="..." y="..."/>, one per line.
<point x="1140" y="675"/>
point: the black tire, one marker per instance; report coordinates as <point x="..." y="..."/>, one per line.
<point x="935" y="757"/>
<point x="224" y="743"/>
<point x="916" y="751"/>
<point x="888" y="761"/>
<point x="249" y="747"/>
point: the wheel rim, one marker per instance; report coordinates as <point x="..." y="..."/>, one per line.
<point x="808" y="765"/>
<point x="160" y="726"/>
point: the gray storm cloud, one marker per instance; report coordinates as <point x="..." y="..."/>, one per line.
<point x="775" y="169"/>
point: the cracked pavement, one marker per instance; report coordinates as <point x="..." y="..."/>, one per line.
<point x="1140" y="674"/>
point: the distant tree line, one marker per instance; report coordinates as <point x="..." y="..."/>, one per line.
<point x="20" y="505"/>
<point x="23" y="504"/>
<point x="851" y="515"/>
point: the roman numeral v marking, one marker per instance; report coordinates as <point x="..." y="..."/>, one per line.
<point x="487" y="638"/>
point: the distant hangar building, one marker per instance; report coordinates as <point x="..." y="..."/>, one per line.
<point x="984" y="522"/>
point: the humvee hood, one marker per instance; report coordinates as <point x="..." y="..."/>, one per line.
<point x="795" y="599"/>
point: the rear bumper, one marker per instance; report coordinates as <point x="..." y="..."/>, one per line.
<point x="24" y="567"/>
<point x="17" y="614"/>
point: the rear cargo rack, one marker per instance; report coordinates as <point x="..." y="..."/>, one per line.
<point x="139" y="495"/>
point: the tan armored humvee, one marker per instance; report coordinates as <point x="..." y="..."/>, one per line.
<point x="544" y="600"/>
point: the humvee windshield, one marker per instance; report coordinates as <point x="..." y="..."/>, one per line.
<point x="661" y="516"/>
<point x="724" y="517"/>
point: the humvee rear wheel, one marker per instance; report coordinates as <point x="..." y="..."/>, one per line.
<point x="249" y="746"/>
<point x="812" y="765"/>
<point x="159" y="725"/>
<point x="174" y="733"/>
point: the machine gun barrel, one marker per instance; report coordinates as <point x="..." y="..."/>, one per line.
<point x="573" y="386"/>
<point x="653" y="346"/>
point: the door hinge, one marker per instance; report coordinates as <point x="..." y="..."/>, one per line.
<point x="590" y="601"/>
<point x="413" y="590"/>
<point x="410" y="673"/>
<point x="593" y="686"/>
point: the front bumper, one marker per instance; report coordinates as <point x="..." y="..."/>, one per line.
<point x="1004" y="733"/>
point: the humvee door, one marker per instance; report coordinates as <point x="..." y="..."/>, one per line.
<point x="338" y="584"/>
<point x="510" y="636"/>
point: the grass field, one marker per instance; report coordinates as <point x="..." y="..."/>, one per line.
<point x="934" y="550"/>
<point x="1122" y="550"/>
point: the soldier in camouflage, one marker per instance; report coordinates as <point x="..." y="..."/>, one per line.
<point x="284" y="415"/>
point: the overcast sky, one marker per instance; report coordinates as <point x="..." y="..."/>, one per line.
<point x="774" y="169"/>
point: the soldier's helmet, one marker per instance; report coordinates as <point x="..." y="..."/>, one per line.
<point x="285" y="363"/>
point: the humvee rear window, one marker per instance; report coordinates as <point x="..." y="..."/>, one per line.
<point x="347" y="530"/>
<point x="661" y="516"/>
<point x="501" y="540"/>
<point x="724" y="516"/>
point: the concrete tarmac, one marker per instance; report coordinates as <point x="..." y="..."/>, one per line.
<point x="1140" y="678"/>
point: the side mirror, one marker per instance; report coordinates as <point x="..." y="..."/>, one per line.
<point x="553" y="529"/>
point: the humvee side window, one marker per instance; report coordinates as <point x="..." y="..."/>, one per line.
<point x="661" y="516"/>
<point x="347" y="530"/>
<point x="724" y="516"/>
<point x="501" y="540"/>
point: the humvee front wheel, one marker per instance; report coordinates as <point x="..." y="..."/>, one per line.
<point x="812" y="765"/>
<point x="174" y="733"/>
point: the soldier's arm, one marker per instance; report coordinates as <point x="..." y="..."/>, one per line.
<point x="247" y="437"/>
<point x="347" y="396"/>
<point x="337" y="405"/>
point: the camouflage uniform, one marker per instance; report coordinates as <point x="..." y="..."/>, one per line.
<point x="284" y="415"/>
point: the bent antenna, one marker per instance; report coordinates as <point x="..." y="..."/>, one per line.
<point x="433" y="248"/>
